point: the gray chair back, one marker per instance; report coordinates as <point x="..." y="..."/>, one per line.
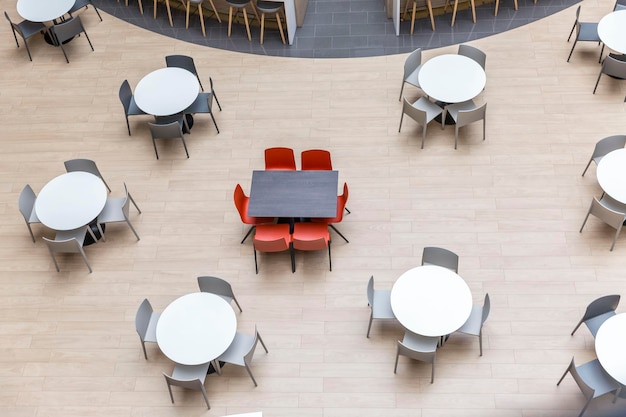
<point x="142" y="319"/>
<point x="606" y="210"/>
<point x="188" y="377"/>
<point x="486" y="310"/>
<point x="218" y="286"/>
<point x="68" y="30"/>
<point x="72" y="245"/>
<point x="184" y="62"/>
<point x="613" y="68"/>
<point x="473" y="53"/>
<point x="26" y="205"/>
<point x="172" y="130"/>
<point x="412" y="62"/>
<point x="370" y="291"/>
<point x="442" y="257"/>
<point x="466" y="117"/>
<point x="85" y="165"/>
<point x="602" y="305"/>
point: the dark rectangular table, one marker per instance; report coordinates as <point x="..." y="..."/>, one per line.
<point x="293" y="194"/>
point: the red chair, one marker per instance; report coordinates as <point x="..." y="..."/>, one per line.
<point x="311" y="236"/>
<point x="341" y="206"/>
<point x="273" y="238"/>
<point x="316" y="160"/>
<point x="280" y="159"/>
<point x="241" y="202"/>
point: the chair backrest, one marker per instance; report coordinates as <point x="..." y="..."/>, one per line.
<point x="281" y="242"/>
<point x="142" y="318"/>
<point x="182" y="61"/>
<point x="215" y="285"/>
<point x="310" y="236"/>
<point x="13" y="25"/>
<point x="486" y="309"/>
<point x="126" y="203"/>
<point x="466" y="117"/>
<point x="601" y="305"/>
<point x="420" y="116"/>
<point x="193" y="384"/>
<point x="473" y="53"/>
<point x="442" y="257"/>
<point x="613" y="218"/>
<point x="241" y="203"/>
<point x="172" y="130"/>
<point x="247" y="357"/>
<point x="585" y="388"/>
<point x="84" y="165"/>
<point x="614" y="67"/>
<point x="280" y="159"/>
<point x="342" y="200"/>
<point x="609" y="144"/>
<point x="404" y="350"/>
<point x="26" y="202"/>
<point x="316" y="159"/>
<point x="412" y="62"/>
<point x="619" y="3"/>
<point x="277" y="245"/>
<point x="71" y="245"/>
<point x="370" y="291"/>
<point x="68" y="29"/>
<point x="577" y="14"/>
<point x="126" y="95"/>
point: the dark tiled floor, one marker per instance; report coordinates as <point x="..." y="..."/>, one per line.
<point x="340" y="28"/>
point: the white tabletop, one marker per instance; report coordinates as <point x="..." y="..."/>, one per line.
<point x="431" y="300"/>
<point x="611" y="174"/>
<point x="452" y="78"/>
<point x="71" y="200"/>
<point x="612" y="31"/>
<point x="611" y="347"/>
<point x="196" y="328"/>
<point x="166" y="91"/>
<point x="43" y="10"/>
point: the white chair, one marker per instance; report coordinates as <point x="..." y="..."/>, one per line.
<point x="412" y="66"/>
<point x="418" y="347"/>
<point x="189" y="377"/>
<point x="474" y="324"/>
<point x="26" y="205"/>
<point x="610" y="211"/>
<point x="117" y="210"/>
<point x="70" y="241"/>
<point x="464" y="114"/>
<point x="380" y="304"/>
<point x="145" y="323"/>
<point x="423" y="111"/>
<point x="241" y="351"/>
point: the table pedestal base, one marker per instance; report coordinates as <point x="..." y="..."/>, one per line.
<point x="94" y="228"/>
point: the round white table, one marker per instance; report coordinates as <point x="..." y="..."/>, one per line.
<point x="71" y="200"/>
<point x="611" y="347"/>
<point x="452" y="78"/>
<point x="611" y="174"/>
<point x="43" y="10"/>
<point x="196" y="328"/>
<point x="166" y="91"/>
<point x="431" y="300"/>
<point x="612" y="31"/>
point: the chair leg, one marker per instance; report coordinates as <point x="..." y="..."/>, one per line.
<point x="430" y="13"/>
<point x="214" y="122"/>
<point x="262" y="27"/>
<point x="238" y="306"/>
<point x="495" y="13"/>
<point x="456" y="4"/>
<point x="185" y="146"/>
<point x="330" y="259"/>
<point x="395" y="367"/>
<point x="587" y="167"/>
<point x="597" y="82"/>
<point x="576" y="328"/>
<point x="245" y="18"/>
<point x="132" y="200"/>
<point x="369" y="327"/>
<point x="219" y="19"/>
<point x="145" y="355"/>
<point x="432" y="373"/>
<point x="339" y="233"/>
<point x="564" y="373"/>
<point x="132" y="228"/>
<point x="456" y="134"/>
<point x="169" y="12"/>
<point x="101" y="231"/>
<point x="128" y="125"/>
<point x="250" y="373"/>
<point x="413" y="16"/>
<point x="82" y="252"/>
<point x="256" y="265"/>
<point x="54" y="259"/>
<point x="201" y="19"/>
<point x="248" y="234"/>
<point x="262" y="343"/>
<point x="580" y="231"/>
<point x="280" y="29"/>
<point x="206" y="398"/>
<point x="292" y="253"/>
<point x="619" y="229"/>
<point x="230" y="19"/>
<point x="480" y="341"/>
<point x="400" y="98"/>
<point x="155" y="148"/>
<point x="31" y="231"/>
<point x="572" y="51"/>
<point x="402" y="115"/>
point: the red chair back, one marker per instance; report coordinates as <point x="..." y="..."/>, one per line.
<point x="280" y="159"/>
<point x="310" y="236"/>
<point x="316" y="159"/>
<point x="272" y="238"/>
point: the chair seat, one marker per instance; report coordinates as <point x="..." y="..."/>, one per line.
<point x="412" y="78"/>
<point x="29" y="28"/>
<point x="432" y="110"/>
<point x="453" y="109"/>
<point x="202" y="104"/>
<point x="133" y="109"/>
<point x="594" y="323"/>
<point x="239" y="347"/>
<point x="190" y="372"/>
<point x="112" y="211"/>
<point x="268" y="6"/>
<point x="238" y="3"/>
<point x="474" y="322"/>
<point x="594" y="375"/>
<point x="151" y="332"/>
<point x="382" y="305"/>
<point x="589" y="32"/>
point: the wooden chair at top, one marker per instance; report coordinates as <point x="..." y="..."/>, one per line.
<point x="456" y="4"/>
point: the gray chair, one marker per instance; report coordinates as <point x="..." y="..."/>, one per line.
<point x="474" y="324"/>
<point x="585" y="32"/>
<point x="241" y="351"/>
<point x="218" y="286"/>
<point x="418" y="347"/>
<point x="83" y="4"/>
<point x="26" y="205"/>
<point x="128" y="102"/>
<point x="117" y="210"/>
<point x="184" y="62"/>
<point x="173" y="130"/>
<point x="70" y="241"/>
<point x="26" y="29"/>
<point x="203" y="104"/>
<point x="432" y="255"/>
<point x="423" y="111"/>
<point x="412" y="66"/>
<point x="608" y="210"/>
<point x="592" y="380"/>
<point x="85" y="165"/>
<point x="464" y="114"/>
<point x="145" y="323"/>
<point x="68" y="30"/>
<point x="270" y="7"/>
<point x="198" y="4"/>
<point x="597" y="312"/>
<point x="612" y="67"/>
<point x="604" y="146"/>
<point x="189" y="377"/>
<point x="380" y="304"/>
<point x="474" y="53"/>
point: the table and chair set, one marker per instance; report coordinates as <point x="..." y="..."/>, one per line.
<point x="431" y="302"/>
<point x="290" y="209"/>
<point x="607" y="373"/>
<point x="198" y="332"/>
<point x="450" y="82"/>
<point x="76" y="205"/>
<point x="57" y="21"/>
<point x="172" y="95"/>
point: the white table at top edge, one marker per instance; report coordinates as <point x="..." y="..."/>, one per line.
<point x="71" y="200"/>
<point x="43" y="10"/>
<point x="196" y="328"/>
<point x="611" y="174"/>
<point x="452" y="78"/>
<point x="612" y="31"/>
<point x="166" y="91"/>
<point x="611" y="347"/>
<point x="431" y="300"/>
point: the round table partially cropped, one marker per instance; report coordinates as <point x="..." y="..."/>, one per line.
<point x="611" y="347"/>
<point x="611" y="174"/>
<point x="612" y="31"/>
<point x="431" y="300"/>
<point x="43" y="10"/>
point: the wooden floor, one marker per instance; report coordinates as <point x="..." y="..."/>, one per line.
<point x="510" y="206"/>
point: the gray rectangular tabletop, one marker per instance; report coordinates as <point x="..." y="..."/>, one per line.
<point x="293" y="194"/>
